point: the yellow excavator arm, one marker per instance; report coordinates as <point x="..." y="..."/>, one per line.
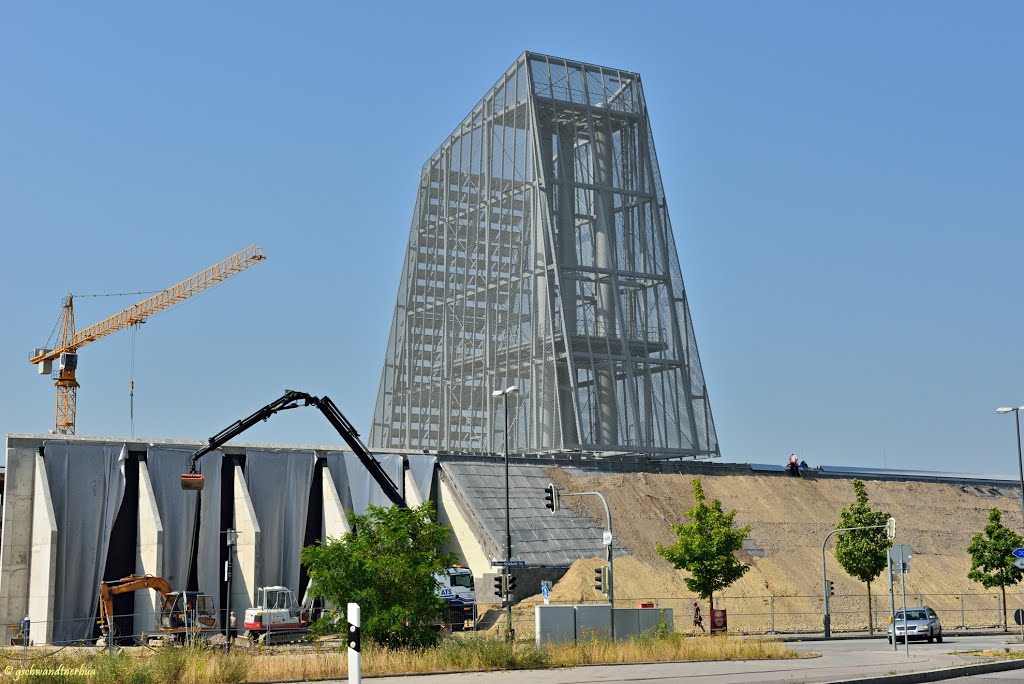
<point x="122" y="586"/>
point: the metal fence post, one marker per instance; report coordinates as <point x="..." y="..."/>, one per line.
<point x="963" y="622"/>
<point x="771" y="607"/>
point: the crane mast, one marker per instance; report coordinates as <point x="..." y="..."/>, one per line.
<point x="66" y="351"/>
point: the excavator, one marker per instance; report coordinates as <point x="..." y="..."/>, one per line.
<point x="182" y="613"/>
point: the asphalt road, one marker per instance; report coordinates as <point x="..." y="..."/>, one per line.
<point x="839" y="660"/>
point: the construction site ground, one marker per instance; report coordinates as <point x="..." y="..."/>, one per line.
<point x="789" y="518"/>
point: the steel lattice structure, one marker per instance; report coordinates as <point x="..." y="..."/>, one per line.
<point x="541" y="255"/>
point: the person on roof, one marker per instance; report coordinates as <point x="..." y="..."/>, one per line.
<point x="793" y="467"/>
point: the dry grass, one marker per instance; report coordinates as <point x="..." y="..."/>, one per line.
<point x="141" y="666"/>
<point x="1005" y="653"/>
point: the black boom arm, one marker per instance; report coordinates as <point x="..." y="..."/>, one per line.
<point x="334" y="416"/>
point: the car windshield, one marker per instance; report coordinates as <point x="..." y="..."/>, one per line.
<point x="912" y="615"/>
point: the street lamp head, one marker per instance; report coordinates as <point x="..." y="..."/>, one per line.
<point x="497" y="393"/>
<point x="1006" y="409"/>
<point x="508" y="390"/>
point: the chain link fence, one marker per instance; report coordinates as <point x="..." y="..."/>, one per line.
<point x="770" y="614"/>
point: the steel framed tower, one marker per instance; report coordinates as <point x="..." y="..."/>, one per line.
<point x="541" y="255"/>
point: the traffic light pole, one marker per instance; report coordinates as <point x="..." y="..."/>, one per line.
<point x="609" y="557"/>
<point x="827" y="618"/>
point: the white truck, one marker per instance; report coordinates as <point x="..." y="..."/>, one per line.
<point x="457" y="588"/>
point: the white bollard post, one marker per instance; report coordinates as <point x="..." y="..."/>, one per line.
<point x="355" y="675"/>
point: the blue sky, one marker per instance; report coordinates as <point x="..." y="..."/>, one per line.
<point x="845" y="181"/>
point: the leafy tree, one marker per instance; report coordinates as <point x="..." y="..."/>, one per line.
<point x="386" y="565"/>
<point x="992" y="557"/>
<point x="706" y="546"/>
<point x="864" y="554"/>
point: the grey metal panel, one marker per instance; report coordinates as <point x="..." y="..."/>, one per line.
<point x="554" y="624"/>
<point x="627" y="623"/>
<point x="651" y="619"/>
<point x="593" y="621"/>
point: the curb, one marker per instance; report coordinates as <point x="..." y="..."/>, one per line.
<point x="937" y="675"/>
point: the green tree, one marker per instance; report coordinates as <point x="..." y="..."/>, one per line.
<point x="864" y="554"/>
<point x="386" y="565"/>
<point x="992" y="557"/>
<point x="706" y="546"/>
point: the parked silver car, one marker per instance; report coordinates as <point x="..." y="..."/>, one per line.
<point x="920" y="623"/>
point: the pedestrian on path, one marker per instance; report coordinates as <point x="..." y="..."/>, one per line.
<point x="698" y="619"/>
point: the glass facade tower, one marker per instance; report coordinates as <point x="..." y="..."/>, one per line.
<point x="541" y="255"/>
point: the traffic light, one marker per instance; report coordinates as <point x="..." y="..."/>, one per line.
<point x="499" y="586"/>
<point x="551" y="501"/>
<point x="831" y="588"/>
<point x="601" y="579"/>
<point x="511" y="584"/>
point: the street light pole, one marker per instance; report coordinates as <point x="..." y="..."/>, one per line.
<point x="1020" y="460"/>
<point x="510" y="633"/>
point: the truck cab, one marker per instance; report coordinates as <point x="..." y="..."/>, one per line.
<point x="457" y="588"/>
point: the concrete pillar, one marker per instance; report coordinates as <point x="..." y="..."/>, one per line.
<point x="463" y="540"/>
<point x="16" y="542"/>
<point x="565" y="236"/>
<point x="149" y="553"/>
<point x="604" y="258"/>
<point x="43" y="572"/>
<point x="246" y="577"/>
<point x="335" y="523"/>
<point x="412" y="496"/>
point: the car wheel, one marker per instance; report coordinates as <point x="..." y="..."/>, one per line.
<point x="939" y="637"/>
<point x="890" y="639"/>
<point x="931" y="637"/>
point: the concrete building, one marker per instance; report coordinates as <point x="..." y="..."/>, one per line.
<point x="79" y="510"/>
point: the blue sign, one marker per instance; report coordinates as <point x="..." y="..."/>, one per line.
<point x="1019" y="553"/>
<point x="545" y="592"/>
<point x="520" y="563"/>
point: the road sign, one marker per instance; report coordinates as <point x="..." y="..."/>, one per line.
<point x="607" y="538"/>
<point x="890" y="529"/>
<point x="1018" y="616"/>
<point x="508" y="564"/>
<point x="899" y="558"/>
<point x="545" y="590"/>
<point x="1019" y="553"/>
<point x="1019" y="563"/>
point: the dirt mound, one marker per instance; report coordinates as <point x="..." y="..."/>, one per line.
<point x="789" y="518"/>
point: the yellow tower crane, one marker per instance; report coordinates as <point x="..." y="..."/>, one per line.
<point x="66" y="351"/>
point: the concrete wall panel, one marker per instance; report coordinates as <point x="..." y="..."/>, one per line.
<point x="335" y="522"/>
<point x="149" y="554"/>
<point x="463" y="541"/>
<point x="16" y="543"/>
<point x="246" y="578"/>
<point x="43" y="577"/>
